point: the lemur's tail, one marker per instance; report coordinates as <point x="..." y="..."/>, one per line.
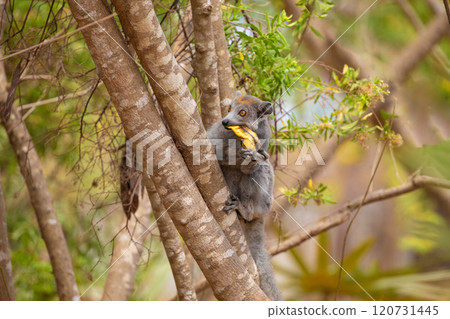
<point x="255" y="229"/>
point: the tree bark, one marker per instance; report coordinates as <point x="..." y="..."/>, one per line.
<point x="227" y="87"/>
<point x="176" y="187"/>
<point x="31" y="169"/>
<point x="173" y="247"/>
<point x="127" y="252"/>
<point x="42" y="202"/>
<point x="205" y="62"/>
<point x="180" y="110"/>
<point x="181" y="45"/>
<point x="6" y="274"/>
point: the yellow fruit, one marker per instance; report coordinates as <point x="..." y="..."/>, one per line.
<point x="310" y="184"/>
<point x="249" y="138"/>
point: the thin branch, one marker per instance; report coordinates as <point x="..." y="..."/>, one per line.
<point x="57" y="38"/>
<point x="435" y="6"/>
<point x="199" y="287"/>
<point x="32" y="106"/>
<point x="342" y="214"/>
<point x="347" y="232"/>
<point x="37" y="77"/>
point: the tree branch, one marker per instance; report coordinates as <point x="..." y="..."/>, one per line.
<point x="338" y="55"/>
<point x="438" y="55"/>
<point x="56" y="99"/>
<point x="447" y="10"/>
<point x="412" y="54"/>
<point x="57" y="38"/>
<point x="342" y="214"/>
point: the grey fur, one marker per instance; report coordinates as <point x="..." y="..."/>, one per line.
<point x="250" y="177"/>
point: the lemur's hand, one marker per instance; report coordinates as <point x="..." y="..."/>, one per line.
<point x="254" y="156"/>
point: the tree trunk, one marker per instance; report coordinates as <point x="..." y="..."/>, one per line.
<point x="143" y="29"/>
<point x="42" y="202"/>
<point x="127" y="252"/>
<point x="176" y="187"/>
<point x="181" y="45"/>
<point x="31" y="169"/>
<point x="227" y="87"/>
<point x="173" y="247"/>
<point x="205" y="62"/>
<point x="6" y="275"/>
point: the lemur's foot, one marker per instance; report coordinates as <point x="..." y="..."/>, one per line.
<point x="231" y="204"/>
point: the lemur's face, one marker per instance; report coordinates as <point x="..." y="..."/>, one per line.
<point x="247" y="110"/>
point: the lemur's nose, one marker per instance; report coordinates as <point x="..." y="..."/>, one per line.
<point x="225" y="122"/>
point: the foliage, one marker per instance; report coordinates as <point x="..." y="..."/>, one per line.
<point x="425" y="231"/>
<point x="429" y="159"/>
<point x="266" y="68"/>
<point x="295" y="195"/>
<point x="350" y="113"/>
<point x="319" y="277"/>
<point x="311" y="8"/>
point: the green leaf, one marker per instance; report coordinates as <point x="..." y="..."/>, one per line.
<point x="353" y="259"/>
<point x="349" y="127"/>
<point x="316" y="32"/>
<point x="386" y="115"/>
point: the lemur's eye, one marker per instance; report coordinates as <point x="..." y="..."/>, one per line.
<point x="229" y="109"/>
<point x="242" y="113"/>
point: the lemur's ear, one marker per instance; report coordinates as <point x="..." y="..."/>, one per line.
<point x="265" y="108"/>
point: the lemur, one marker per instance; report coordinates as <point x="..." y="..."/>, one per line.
<point x="249" y="176"/>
